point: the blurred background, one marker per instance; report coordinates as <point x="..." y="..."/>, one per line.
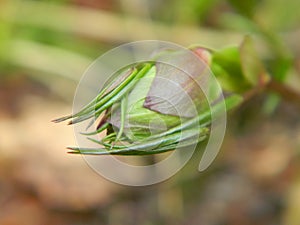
<point x="45" y="46"/>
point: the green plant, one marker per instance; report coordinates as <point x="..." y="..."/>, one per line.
<point x="238" y="69"/>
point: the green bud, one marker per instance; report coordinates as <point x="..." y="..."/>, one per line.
<point x="155" y="107"/>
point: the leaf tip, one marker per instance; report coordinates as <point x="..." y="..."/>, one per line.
<point x="61" y="119"/>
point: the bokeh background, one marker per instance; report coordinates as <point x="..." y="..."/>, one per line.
<point x="45" y="46"/>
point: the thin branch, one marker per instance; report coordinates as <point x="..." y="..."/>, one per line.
<point x="284" y="91"/>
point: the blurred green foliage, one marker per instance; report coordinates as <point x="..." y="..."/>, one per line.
<point x="57" y="23"/>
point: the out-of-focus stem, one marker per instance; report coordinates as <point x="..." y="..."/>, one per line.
<point x="47" y="59"/>
<point x="285" y="92"/>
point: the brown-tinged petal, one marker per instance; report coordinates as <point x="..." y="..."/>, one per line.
<point x="178" y="84"/>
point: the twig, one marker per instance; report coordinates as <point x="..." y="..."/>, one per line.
<point x="284" y="91"/>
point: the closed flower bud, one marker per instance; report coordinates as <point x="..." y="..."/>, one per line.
<point x="154" y="106"/>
